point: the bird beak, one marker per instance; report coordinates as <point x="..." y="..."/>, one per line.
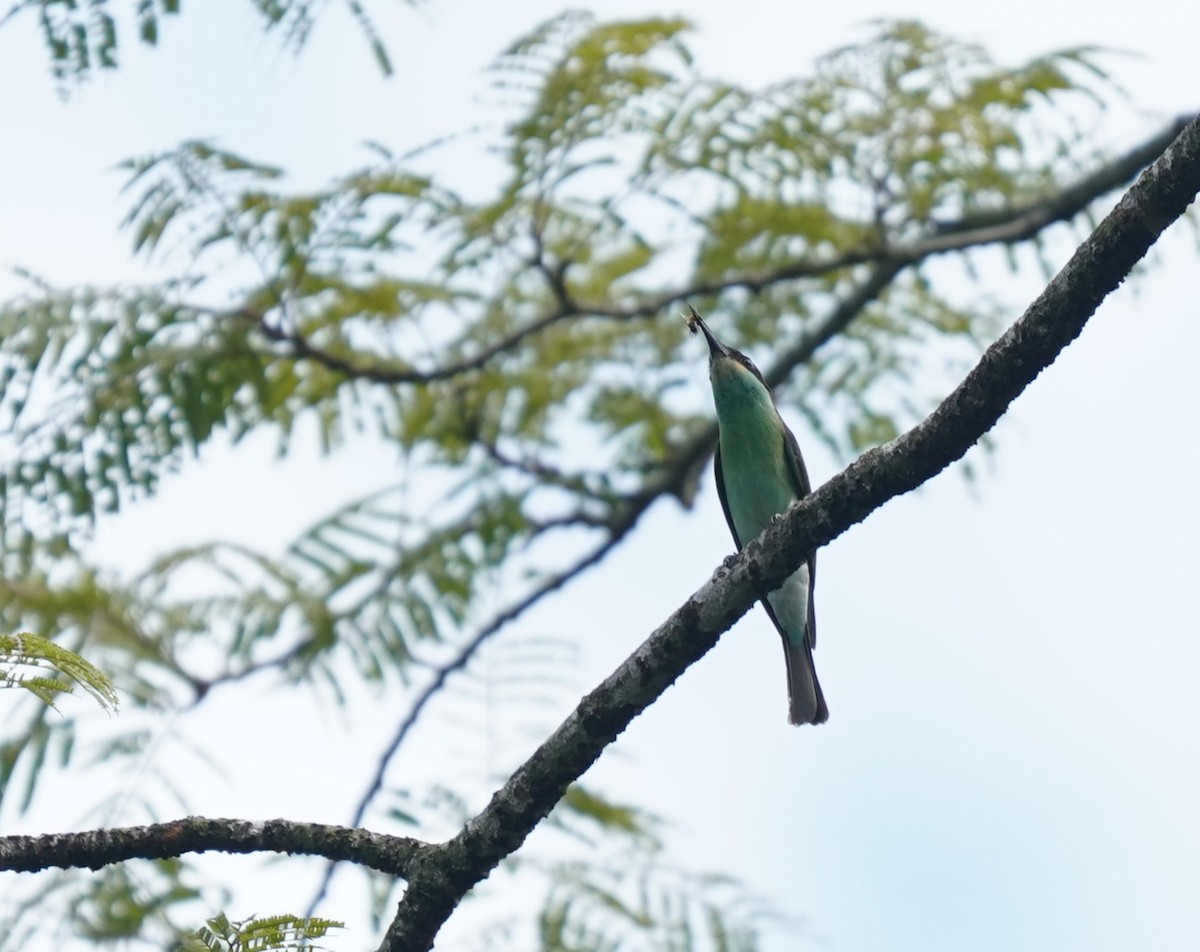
<point x="715" y="347"/>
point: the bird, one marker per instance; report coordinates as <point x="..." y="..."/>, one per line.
<point x="759" y="473"/>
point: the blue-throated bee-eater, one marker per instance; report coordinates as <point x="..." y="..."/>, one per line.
<point x="760" y="472"/>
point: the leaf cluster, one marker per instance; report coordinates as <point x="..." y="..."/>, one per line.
<point x="141" y="901"/>
<point x="259" y="934"/>
<point x="23" y="653"/>
<point x="82" y="36"/>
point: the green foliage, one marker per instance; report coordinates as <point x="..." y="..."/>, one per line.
<point x="582" y="808"/>
<point x="123" y="903"/>
<point x="142" y="385"/>
<point x="137" y="901"/>
<point x="514" y="346"/>
<point x="259" y="934"/>
<point x="81" y="36"/>
<point x="509" y="345"/>
<point x="639" y="904"/>
<point x="23" y="653"/>
<point x="627" y="897"/>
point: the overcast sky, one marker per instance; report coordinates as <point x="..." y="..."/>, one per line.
<point x="1012" y="756"/>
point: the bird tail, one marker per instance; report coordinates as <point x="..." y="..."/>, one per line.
<point x="806" y="702"/>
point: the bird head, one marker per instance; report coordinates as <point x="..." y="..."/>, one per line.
<point x="725" y="364"/>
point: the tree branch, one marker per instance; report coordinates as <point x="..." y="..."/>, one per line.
<point x="96" y="848"/>
<point x="442" y="875"/>
<point x="1004" y="226"/>
<point x="1000" y="226"/>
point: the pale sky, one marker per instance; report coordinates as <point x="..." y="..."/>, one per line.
<point x="1012" y="757"/>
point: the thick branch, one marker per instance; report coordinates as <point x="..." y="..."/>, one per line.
<point x="96" y="848"/>
<point x="440" y="877"/>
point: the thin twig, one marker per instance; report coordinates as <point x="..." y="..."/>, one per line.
<point x="1003" y="226"/>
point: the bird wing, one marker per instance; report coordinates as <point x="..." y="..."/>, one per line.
<point x="802" y="487"/>
<point x="724" y="500"/>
